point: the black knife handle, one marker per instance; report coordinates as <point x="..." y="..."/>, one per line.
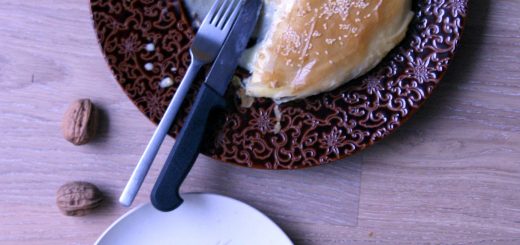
<point x="165" y="194"/>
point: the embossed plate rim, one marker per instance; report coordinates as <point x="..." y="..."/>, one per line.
<point x="410" y="73"/>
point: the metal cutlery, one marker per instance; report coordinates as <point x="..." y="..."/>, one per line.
<point x="205" y="47"/>
<point x="165" y="194"/>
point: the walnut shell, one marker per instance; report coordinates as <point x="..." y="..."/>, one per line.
<point x="80" y="122"/>
<point x="78" y="198"/>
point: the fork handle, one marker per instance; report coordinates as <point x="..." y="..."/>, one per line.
<point x="165" y="194"/>
<point x="141" y="170"/>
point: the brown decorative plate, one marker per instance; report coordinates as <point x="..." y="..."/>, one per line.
<point x="316" y="130"/>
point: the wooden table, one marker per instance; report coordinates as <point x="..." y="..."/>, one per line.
<point x="451" y="175"/>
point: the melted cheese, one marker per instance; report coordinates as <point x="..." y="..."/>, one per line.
<point x="313" y="46"/>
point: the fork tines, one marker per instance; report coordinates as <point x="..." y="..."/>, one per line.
<point x="223" y="13"/>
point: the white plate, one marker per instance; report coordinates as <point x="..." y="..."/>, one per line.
<point x="201" y="219"/>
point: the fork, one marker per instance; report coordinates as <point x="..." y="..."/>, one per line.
<point x="205" y="47"/>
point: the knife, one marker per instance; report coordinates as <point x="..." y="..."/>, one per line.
<point x="165" y="194"/>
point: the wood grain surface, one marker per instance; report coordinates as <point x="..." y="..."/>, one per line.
<point x="451" y="175"/>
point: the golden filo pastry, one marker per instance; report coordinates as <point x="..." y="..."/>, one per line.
<point x="313" y="46"/>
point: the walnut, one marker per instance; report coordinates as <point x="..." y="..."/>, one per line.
<point x="80" y="122"/>
<point x="78" y="198"/>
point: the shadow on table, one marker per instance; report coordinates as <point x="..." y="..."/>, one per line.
<point x="328" y="195"/>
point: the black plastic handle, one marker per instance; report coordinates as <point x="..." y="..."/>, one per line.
<point x="165" y="194"/>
